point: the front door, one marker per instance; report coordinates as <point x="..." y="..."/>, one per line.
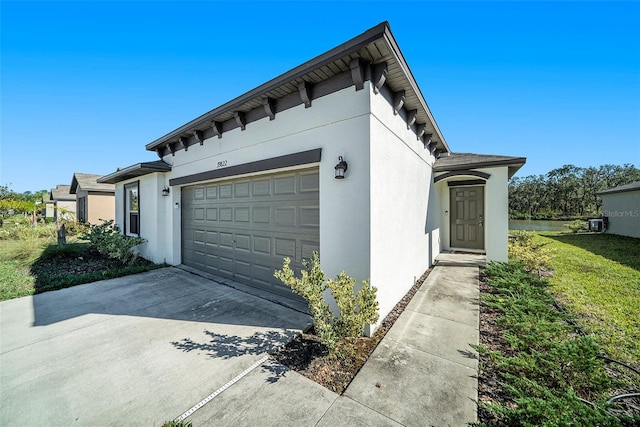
<point x="467" y="217"/>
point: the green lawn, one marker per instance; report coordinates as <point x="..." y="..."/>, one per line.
<point x="597" y="278"/>
<point x="31" y="262"/>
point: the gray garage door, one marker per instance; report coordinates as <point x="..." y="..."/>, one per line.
<point x="243" y="228"/>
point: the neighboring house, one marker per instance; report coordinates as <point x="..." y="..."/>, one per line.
<point x="61" y="203"/>
<point x="95" y="201"/>
<point x="621" y="207"/>
<point x="254" y="180"/>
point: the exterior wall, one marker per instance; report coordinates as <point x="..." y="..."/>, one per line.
<point x="100" y="206"/>
<point x="50" y="210"/>
<point x="339" y="125"/>
<point x="496" y="213"/>
<point x="404" y="227"/>
<point x="66" y="208"/>
<point x="623" y="210"/>
<point x="154" y="222"/>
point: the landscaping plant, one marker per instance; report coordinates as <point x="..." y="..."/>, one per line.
<point x="108" y="240"/>
<point x="524" y="248"/>
<point x="549" y="374"/>
<point x="357" y="309"/>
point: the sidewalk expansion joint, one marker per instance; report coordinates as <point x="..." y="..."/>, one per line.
<point x="210" y="397"/>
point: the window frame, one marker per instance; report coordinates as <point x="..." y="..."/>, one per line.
<point x="129" y="213"/>
<point x="81" y="207"/>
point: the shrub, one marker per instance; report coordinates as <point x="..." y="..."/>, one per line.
<point x="107" y="240"/>
<point x="357" y="309"/>
<point x="74" y="228"/>
<point x="577" y="226"/>
<point x="524" y="249"/>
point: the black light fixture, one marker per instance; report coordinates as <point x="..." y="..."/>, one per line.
<point x="341" y="168"/>
<point x="165" y="191"/>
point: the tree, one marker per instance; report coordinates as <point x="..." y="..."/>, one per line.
<point x="566" y="191"/>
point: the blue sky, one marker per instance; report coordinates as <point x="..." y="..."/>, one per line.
<point x="85" y="85"/>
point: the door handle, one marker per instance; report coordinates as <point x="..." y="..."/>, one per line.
<point x="480" y="221"/>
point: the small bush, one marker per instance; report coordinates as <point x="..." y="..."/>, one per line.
<point x="577" y="226"/>
<point x="357" y="309"/>
<point x="107" y="240"/>
<point x="524" y="249"/>
<point x="74" y="228"/>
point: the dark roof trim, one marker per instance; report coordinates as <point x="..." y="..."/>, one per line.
<point x="514" y="161"/>
<point x="380" y="32"/>
<point x="135" y="171"/>
<point x="633" y="186"/>
<point x="290" y="160"/>
<point x="465" y="172"/>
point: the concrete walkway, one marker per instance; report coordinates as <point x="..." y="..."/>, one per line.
<point x="423" y="373"/>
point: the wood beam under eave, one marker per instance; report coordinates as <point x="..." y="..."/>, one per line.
<point x="199" y="136"/>
<point x="217" y="128"/>
<point x="241" y="119"/>
<point x="357" y="72"/>
<point x="432" y="147"/>
<point x="185" y="143"/>
<point x="398" y="101"/>
<point x="270" y="107"/>
<point x="172" y="148"/>
<point x="379" y="76"/>
<point x="160" y="151"/>
<point x="420" y="128"/>
<point x="411" y="118"/>
<point x="428" y="137"/>
<point x="304" y="89"/>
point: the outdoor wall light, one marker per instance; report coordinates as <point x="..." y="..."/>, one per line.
<point x="341" y="168"/>
<point x="165" y="191"/>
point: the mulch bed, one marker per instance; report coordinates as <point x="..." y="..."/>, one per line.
<point x="307" y="356"/>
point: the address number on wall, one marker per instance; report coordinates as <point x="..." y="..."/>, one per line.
<point x="222" y="163"/>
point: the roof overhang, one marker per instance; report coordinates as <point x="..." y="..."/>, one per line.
<point x="134" y="171"/>
<point x="468" y="161"/>
<point x="633" y="186"/>
<point x="373" y="55"/>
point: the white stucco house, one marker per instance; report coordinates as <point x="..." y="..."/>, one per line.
<point x="621" y="208"/>
<point x="339" y="155"/>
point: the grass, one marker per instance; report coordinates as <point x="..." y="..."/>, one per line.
<point x="31" y="262"/>
<point x="597" y="278"/>
<point x="545" y="370"/>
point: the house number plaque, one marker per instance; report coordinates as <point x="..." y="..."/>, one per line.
<point x="222" y="163"/>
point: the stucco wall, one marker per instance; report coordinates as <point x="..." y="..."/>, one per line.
<point x="100" y="206"/>
<point x="402" y="222"/>
<point x="496" y="213"/>
<point x="65" y="209"/>
<point x="154" y="222"/>
<point x="623" y="210"/>
<point x="339" y="125"/>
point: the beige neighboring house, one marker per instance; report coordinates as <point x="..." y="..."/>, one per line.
<point x="94" y="202"/>
<point x="621" y="207"/>
<point x="61" y="203"/>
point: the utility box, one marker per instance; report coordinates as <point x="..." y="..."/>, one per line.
<point x="596" y="224"/>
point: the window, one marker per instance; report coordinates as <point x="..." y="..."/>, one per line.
<point x="132" y="209"/>
<point x="82" y="209"/>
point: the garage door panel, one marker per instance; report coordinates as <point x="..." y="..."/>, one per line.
<point x="226" y="214"/>
<point x="225" y="191"/>
<point x="242" y="229"/>
<point x="285" y="216"/>
<point x="242" y="214"/>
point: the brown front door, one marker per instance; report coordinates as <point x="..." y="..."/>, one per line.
<point x="467" y="217"/>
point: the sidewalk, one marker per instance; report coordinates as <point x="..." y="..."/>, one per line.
<point x="423" y="373"/>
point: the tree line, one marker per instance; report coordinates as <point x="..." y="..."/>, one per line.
<point x="20" y="203"/>
<point x="566" y="192"/>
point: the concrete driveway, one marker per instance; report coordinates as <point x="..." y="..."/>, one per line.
<point x="138" y="350"/>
